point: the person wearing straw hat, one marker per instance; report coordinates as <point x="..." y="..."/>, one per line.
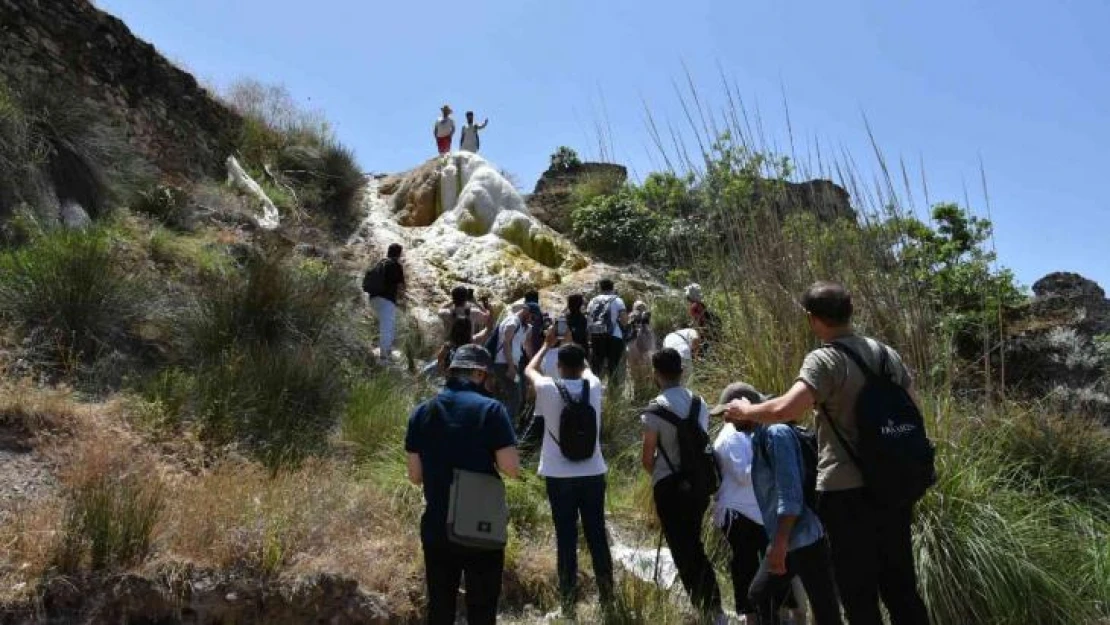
<point x="444" y="130"/>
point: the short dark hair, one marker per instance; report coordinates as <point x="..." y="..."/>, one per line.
<point x="605" y="284"/>
<point x="828" y="301"/>
<point x="459" y="295"/>
<point x="572" y="356"/>
<point x="575" y="303"/>
<point x="394" y="250"/>
<point x="532" y="297"/>
<point x="667" y="362"/>
<point x="470" y="112"/>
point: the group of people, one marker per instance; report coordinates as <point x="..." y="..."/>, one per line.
<point x="790" y="503"/>
<point x="444" y="131"/>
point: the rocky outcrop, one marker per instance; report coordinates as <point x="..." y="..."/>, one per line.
<point x="182" y="594"/>
<point x="824" y="198"/>
<point x="72" y="47"/>
<point x="1059" y="345"/>
<point x="552" y="200"/>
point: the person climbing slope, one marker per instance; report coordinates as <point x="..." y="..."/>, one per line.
<point x="444" y="130"/>
<point x="468" y="138"/>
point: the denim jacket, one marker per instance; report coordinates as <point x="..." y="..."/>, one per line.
<point x="777" y="478"/>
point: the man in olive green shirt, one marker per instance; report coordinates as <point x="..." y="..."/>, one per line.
<point x="871" y="545"/>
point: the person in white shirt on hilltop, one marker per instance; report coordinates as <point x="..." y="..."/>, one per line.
<point x="575" y="485"/>
<point x="468" y="138"/>
<point x="444" y="130"/>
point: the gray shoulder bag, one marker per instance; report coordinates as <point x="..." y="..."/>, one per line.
<point x="477" y="512"/>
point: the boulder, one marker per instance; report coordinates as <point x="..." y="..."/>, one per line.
<point x="1058" y="345"/>
<point x="553" y="199"/>
<point x="824" y="198"/>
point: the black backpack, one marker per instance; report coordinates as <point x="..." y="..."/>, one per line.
<point x="807" y="442"/>
<point x="601" y="320"/>
<point x="374" y="280"/>
<point x="697" y="463"/>
<point x="461" y="323"/>
<point x="577" y="425"/>
<point x="894" y="453"/>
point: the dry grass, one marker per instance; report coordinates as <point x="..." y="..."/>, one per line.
<point x="29" y="411"/>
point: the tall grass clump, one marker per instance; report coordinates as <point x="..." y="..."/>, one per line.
<point x="109" y="522"/>
<point x="376" y="414"/>
<point x="71" y="296"/>
<point x="269" y="351"/>
<point x="296" y="149"/>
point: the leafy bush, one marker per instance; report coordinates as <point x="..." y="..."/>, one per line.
<point x="109" y="522"/>
<point x="564" y="159"/>
<point x="71" y="295"/>
<point x="595" y="186"/>
<point x="619" y="227"/>
<point x="667" y="194"/>
<point x="167" y="203"/>
<point x="328" y="179"/>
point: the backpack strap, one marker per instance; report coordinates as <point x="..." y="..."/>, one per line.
<point x="860" y="362"/>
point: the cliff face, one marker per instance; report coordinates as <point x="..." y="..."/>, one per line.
<point x="72" y="47"/>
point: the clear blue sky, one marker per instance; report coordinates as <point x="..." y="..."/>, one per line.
<point x="1024" y="86"/>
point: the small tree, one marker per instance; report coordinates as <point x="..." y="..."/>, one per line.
<point x="564" y="159"/>
<point x="620" y="227"/>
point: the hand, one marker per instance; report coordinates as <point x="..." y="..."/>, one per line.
<point x="737" y="409"/>
<point x="551" y="337"/>
<point x="776" y="558"/>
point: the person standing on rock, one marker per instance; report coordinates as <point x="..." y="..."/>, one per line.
<point x="444" y="130"/>
<point x="572" y="465"/>
<point x="384" y="283"/>
<point x="453" y="436"/>
<point x="468" y="138"/>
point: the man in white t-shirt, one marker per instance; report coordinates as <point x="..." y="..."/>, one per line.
<point x="511" y="334"/>
<point x="468" y="138"/>
<point x="444" y="130"/>
<point x="606" y="317"/>
<point x="575" y="485"/>
<point x="686" y="342"/>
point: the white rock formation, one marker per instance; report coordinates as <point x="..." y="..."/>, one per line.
<point x="240" y="179"/>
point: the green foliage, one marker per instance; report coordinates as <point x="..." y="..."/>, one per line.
<point x="167" y="203"/>
<point x="595" y="186"/>
<point x="620" y="228"/>
<point x="565" y="159"/>
<point x="667" y="194"/>
<point x="70" y="295"/>
<point x="109" y="522"/>
<point x="376" y="415"/>
<point x="299" y="149"/>
<point x="954" y="269"/>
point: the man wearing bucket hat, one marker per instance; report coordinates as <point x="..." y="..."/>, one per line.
<point x="797" y="539"/>
<point x="460" y="429"/>
<point x="444" y="130"/>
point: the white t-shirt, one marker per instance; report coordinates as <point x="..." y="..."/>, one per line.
<point x="445" y="127"/>
<point x="550" y="365"/>
<point x="470" y="138"/>
<point x="682" y="341"/>
<point x="615" y="309"/>
<point x="512" y="321"/>
<point x="734" y="455"/>
<point x="549" y="403"/>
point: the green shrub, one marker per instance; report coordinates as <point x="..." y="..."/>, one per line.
<point x="619" y="228"/>
<point x="109" y="522"/>
<point x="595" y="186"/>
<point x="564" y="159"/>
<point x="280" y="403"/>
<point x="328" y="179"/>
<point x="168" y="204"/>
<point x="70" y="295"/>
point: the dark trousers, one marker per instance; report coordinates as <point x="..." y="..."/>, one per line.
<point x="812" y="565"/>
<point x="680" y="514"/>
<point x="444" y="567"/>
<point x="606" y="352"/>
<point x="572" y="498"/>
<point x="747" y="541"/>
<point x="872" y="555"/>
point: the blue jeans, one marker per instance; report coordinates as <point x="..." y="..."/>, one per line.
<point x="569" y="498"/>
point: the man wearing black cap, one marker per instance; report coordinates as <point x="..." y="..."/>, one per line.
<point x="575" y="485"/>
<point x="797" y="539"/>
<point x="462" y="428"/>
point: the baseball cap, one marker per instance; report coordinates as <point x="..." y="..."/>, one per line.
<point x="471" y="357"/>
<point x="737" y="390"/>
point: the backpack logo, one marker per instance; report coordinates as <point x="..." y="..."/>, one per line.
<point x="891" y="429"/>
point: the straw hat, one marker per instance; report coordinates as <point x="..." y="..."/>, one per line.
<point x="446" y="108"/>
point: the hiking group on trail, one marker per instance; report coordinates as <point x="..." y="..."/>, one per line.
<point x="444" y="131"/>
<point x="831" y="506"/>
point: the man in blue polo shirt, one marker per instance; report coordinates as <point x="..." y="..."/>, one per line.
<point x="460" y="428"/>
